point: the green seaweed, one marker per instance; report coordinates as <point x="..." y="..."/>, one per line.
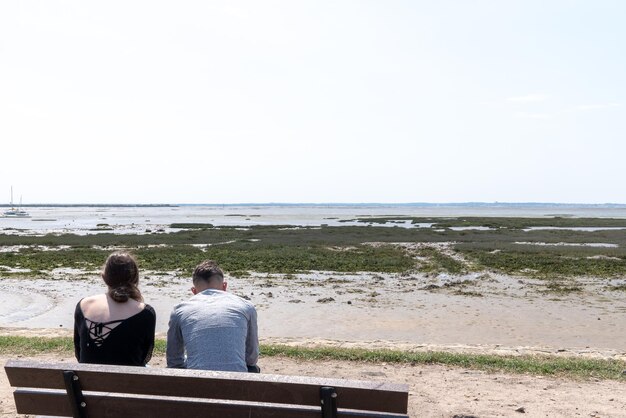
<point x="237" y="257"/>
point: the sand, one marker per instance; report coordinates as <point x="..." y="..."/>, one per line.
<point x="476" y="313"/>
<point x="439" y="391"/>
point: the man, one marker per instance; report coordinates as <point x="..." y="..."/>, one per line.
<point x="216" y="329"/>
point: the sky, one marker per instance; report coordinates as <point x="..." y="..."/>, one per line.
<point x="313" y="101"/>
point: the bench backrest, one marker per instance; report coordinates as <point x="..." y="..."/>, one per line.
<point x="116" y="391"/>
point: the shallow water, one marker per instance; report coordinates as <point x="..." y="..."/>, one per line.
<point x="574" y="228"/>
<point x="138" y="219"/>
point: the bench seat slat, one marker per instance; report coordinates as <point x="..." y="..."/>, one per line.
<point x="352" y="394"/>
<point x="104" y="405"/>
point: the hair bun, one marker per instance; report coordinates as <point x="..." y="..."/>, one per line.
<point x="121" y="294"/>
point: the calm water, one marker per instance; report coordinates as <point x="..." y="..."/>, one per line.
<point x="138" y="219"/>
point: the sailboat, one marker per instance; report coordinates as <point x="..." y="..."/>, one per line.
<point x="16" y="212"/>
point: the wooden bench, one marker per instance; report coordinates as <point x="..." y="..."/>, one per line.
<point x="90" y="390"/>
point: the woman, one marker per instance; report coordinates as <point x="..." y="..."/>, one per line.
<point x="115" y="327"/>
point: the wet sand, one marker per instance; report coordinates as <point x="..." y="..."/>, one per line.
<point x="474" y="312"/>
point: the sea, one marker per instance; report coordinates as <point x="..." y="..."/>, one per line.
<point x="140" y="219"/>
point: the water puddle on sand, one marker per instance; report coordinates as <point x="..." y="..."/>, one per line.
<point x="17" y="306"/>
<point x="574" y="228"/>
<point x="471" y="228"/>
<point x="570" y="244"/>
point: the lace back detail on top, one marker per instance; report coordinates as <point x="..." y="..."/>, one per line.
<point x="99" y="331"/>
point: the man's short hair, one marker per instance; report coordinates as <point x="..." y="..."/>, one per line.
<point x="207" y="270"/>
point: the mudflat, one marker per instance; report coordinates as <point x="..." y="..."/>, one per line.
<point x="503" y="286"/>
<point x="477" y="311"/>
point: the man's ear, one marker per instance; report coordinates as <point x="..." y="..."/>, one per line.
<point x="224" y="286"/>
<point x="193" y="290"/>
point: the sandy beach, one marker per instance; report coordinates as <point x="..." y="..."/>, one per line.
<point x="511" y="314"/>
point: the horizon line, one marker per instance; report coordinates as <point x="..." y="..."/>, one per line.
<point x="474" y="203"/>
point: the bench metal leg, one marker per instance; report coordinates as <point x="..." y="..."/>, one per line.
<point x="328" y="397"/>
<point x="75" y="394"/>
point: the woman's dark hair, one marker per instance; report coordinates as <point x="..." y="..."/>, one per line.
<point x="122" y="276"/>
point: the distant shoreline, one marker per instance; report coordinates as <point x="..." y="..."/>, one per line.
<point x="330" y="204"/>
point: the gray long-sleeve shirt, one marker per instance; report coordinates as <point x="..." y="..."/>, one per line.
<point x="216" y="329"/>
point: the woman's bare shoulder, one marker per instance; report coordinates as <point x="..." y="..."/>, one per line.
<point x="103" y="308"/>
<point x="136" y="304"/>
<point x="93" y="300"/>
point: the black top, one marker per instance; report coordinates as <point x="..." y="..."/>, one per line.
<point x="127" y="342"/>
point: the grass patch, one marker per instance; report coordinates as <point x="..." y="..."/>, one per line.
<point x="546" y="262"/>
<point x="438" y="262"/>
<point x="35" y="345"/>
<point x="38" y="260"/>
<point x="233" y="257"/>
<point x="470" y="293"/>
<point x="561" y="288"/>
<point x="569" y="367"/>
<point x="293" y="259"/>
<point x="535" y="365"/>
<point x="191" y="226"/>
